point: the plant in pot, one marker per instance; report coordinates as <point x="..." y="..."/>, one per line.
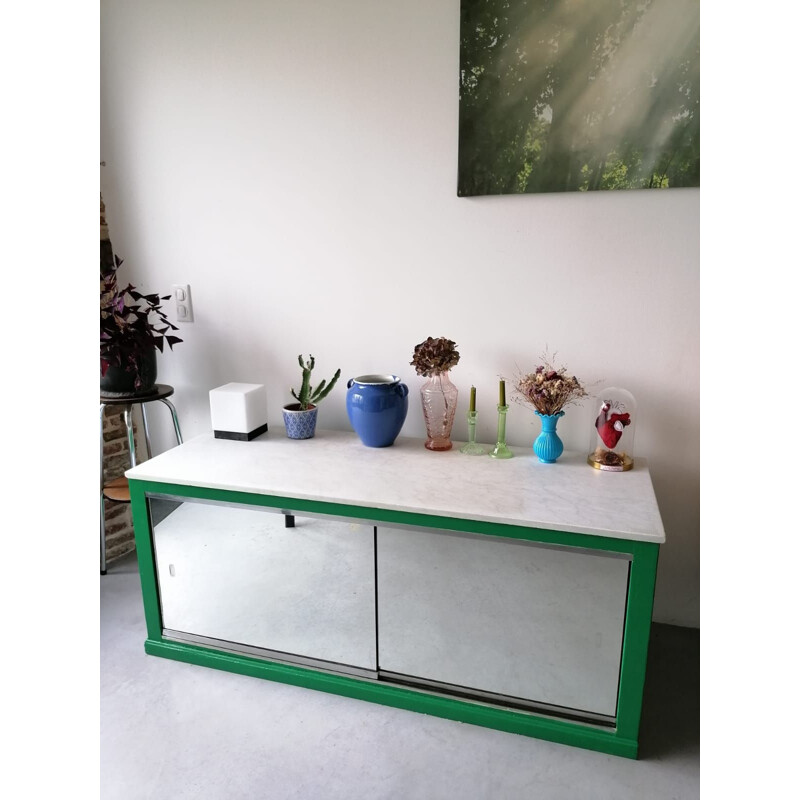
<point x="300" y="418"/>
<point x="132" y="326"/>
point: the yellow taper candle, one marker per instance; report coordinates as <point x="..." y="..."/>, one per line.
<point x="472" y="399"/>
<point x="502" y="393"/>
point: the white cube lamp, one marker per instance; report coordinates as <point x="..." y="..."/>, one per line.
<point x="239" y="411"/>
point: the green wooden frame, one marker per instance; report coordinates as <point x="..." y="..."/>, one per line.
<point x="621" y="740"/>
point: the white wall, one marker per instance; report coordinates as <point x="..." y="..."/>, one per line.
<point x="295" y="162"/>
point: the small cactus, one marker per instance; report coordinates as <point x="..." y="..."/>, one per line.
<point x="308" y="397"/>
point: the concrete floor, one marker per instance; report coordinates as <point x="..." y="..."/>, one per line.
<point x="172" y="730"/>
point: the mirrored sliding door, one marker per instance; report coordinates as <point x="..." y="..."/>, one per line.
<point x="502" y="620"/>
<point x="238" y="576"/>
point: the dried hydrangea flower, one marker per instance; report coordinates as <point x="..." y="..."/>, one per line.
<point x="435" y="356"/>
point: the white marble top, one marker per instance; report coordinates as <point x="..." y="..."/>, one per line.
<point x="335" y="467"/>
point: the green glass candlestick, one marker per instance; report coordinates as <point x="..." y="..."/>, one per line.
<point x="501" y="448"/>
<point x="471" y="448"/>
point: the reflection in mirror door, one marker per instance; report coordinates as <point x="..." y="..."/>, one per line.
<point x="502" y="617"/>
<point x="239" y="575"/>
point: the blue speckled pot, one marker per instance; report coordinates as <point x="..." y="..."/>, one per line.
<point x="299" y="424"/>
<point x="377" y="406"/>
<point x="547" y="445"/>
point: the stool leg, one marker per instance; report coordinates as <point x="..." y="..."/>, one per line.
<point x="146" y="431"/>
<point x="102" y="501"/>
<point x="174" y="419"/>
<point x="129" y="429"/>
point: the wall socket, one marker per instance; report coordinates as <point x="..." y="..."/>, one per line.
<point x="183" y="302"/>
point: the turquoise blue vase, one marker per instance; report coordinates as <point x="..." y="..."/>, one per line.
<point x="547" y="445"/>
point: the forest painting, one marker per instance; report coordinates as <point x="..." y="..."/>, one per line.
<point x="578" y="95"/>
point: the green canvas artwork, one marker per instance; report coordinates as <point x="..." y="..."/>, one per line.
<point x="578" y="95"/>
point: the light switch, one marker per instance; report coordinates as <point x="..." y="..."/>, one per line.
<point x="183" y="303"/>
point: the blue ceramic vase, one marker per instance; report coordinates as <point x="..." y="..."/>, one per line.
<point x="377" y="406"/>
<point x="548" y="447"/>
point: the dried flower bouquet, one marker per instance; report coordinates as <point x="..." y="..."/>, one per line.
<point x="549" y="389"/>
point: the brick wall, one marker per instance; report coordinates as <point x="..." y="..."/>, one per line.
<point x="119" y="524"/>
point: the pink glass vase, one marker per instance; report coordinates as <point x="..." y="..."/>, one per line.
<point x="439" y="397"/>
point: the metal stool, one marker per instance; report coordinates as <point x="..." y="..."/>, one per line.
<point x="118" y="489"/>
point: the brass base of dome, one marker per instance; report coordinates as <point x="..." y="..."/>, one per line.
<point x="624" y="463"/>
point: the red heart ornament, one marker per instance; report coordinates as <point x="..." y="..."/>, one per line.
<point x="610" y="430"/>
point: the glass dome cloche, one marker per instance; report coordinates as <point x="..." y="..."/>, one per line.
<point x="613" y="429"/>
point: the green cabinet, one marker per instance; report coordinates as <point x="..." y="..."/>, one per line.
<point x="532" y="630"/>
